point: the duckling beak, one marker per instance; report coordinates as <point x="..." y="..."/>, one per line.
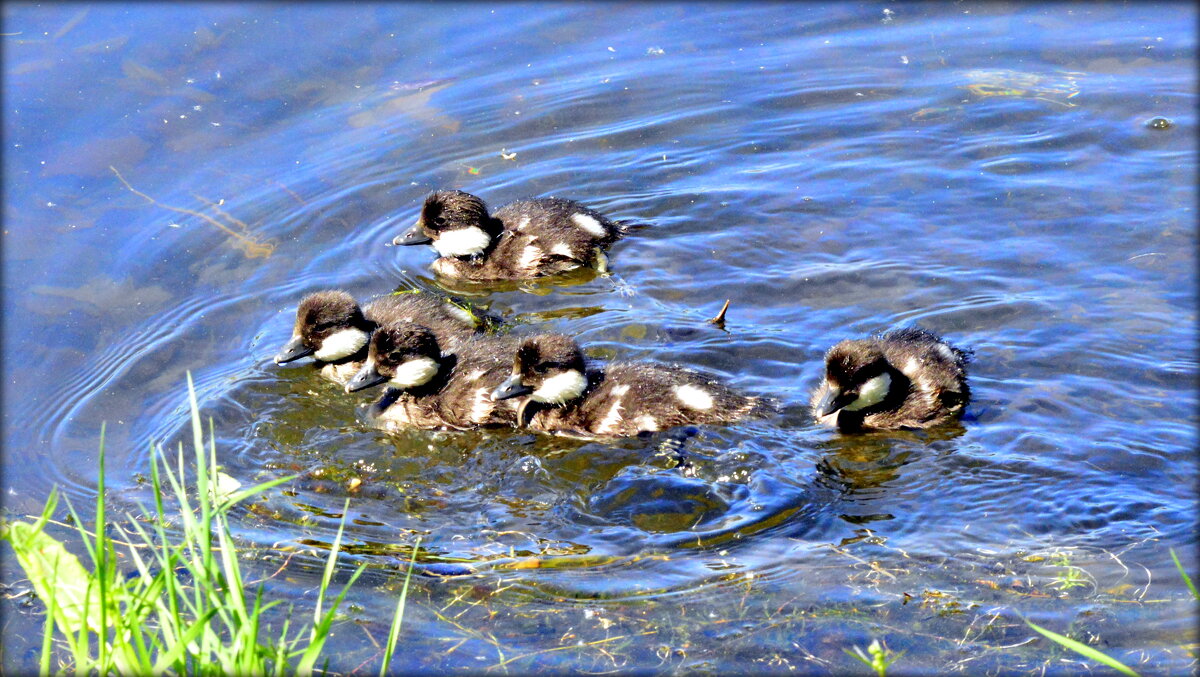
<point x="512" y="387"/>
<point x="414" y="235"/>
<point x="294" y="350"/>
<point x="833" y="401"/>
<point x="365" y="378"/>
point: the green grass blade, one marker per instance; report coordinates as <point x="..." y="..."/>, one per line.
<point x="398" y="617"/>
<point x="176" y="651"/>
<point x="1085" y="650"/>
<point x="1186" y="579"/>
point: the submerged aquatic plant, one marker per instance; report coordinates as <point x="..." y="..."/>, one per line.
<point x="880" y="657"/>
<point x="151" y="622"/>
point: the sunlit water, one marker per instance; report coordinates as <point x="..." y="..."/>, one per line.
<point x="986" y="171"/>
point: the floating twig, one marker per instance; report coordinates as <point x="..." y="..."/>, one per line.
<point x="251" y="247"/>
<point x="719" y="320"/>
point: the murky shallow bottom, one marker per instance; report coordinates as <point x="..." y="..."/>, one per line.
<point x="832" y="170"/>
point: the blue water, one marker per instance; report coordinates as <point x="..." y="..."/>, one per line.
<point x="984" y="170"/>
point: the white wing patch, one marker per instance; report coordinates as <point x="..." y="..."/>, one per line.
<point x="530" y="257"/>
<point x="911" y="367"/>
<point x="647" y="423"/>
<point x="460" y="314"/>
<point x="414" y="372"/>
<point x="462" y="242"/>
<point x="946" y="352"/>
<point x="563" y="249"/>
<point x="693" y="397"/>
<point x="341" y="344"/>
<point x="482" y="405"/>
<point x="613" y="418"/>
<point x="590" y="224"/>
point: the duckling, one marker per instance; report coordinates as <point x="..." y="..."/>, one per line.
<point x="333" y="329"/>
<point x="565" y="397"/>
<point x="906" y="378"/>
<point x="521" y="240"/>
<point x="432" y="389"/>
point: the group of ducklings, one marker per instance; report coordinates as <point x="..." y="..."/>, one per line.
<point x="444" y="370"/>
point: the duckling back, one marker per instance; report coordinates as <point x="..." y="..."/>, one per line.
<point x="628" y="398"/>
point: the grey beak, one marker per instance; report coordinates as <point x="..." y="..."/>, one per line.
<point x="833" y="401"/>
<point x="365" y="378"/>
<point x="511" y="387"/>
<point x="294" y="350"/>
<point x="414" y="235"/>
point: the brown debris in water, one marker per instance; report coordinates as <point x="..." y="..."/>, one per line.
<point x="250" y="246"/>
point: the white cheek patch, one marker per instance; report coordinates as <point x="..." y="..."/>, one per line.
<point x="560" y="389"/>
<point x="589" y="224"/>
<point x="693" y="397"/>
<point x="341" y="344"/>
<point x="462" y="242"/>
<point x="871" y="393"/>
<point x="414" y="373"/>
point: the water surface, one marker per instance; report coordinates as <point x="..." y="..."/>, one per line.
<point x="176" y="178"/>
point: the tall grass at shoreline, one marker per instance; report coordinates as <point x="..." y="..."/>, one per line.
<point x="185" y="609"/>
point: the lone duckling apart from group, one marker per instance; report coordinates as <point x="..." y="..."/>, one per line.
<point x="562" y="396"/>
<point x="334" y="330"/>
<point x="521" y="240"/>
<point x="432" y="389"/>
<point x="906" y="378"/>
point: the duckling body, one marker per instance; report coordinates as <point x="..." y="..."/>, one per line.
<point x="521" y="240"/>
<point x="431" y="389"/>
<point x="334" y="330"/>
<point x="565" y="397"/>
<point x="906" y="378"/>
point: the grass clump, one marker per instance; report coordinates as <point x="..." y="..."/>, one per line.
<point x="185" y="609"/>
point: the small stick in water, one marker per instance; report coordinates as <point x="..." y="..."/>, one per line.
<point x="719" y="320"/>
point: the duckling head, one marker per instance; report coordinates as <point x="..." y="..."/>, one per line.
<point x="455" y="223"/>
<point x="548" y="368"/>
<point x="329" y="326"/>
<point x="857" y="376"/>
<point x="403" y="355"/>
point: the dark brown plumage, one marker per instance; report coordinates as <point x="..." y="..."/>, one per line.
<point x="432" y="389"/>
<point x="561" y="395"/>
<point x="332" y="328"/>
<point x="521" y="240"/>
<point x="906" y="378"/>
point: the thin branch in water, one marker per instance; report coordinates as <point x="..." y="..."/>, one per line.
<point x="251" y="247"/>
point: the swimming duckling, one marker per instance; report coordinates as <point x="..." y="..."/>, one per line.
<point x="432" y="389"/>
<point x="623" y="399"/>
<point x="521" y="240"/>
<point x="333" y="329"/>
<point x="906" y="378"/>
